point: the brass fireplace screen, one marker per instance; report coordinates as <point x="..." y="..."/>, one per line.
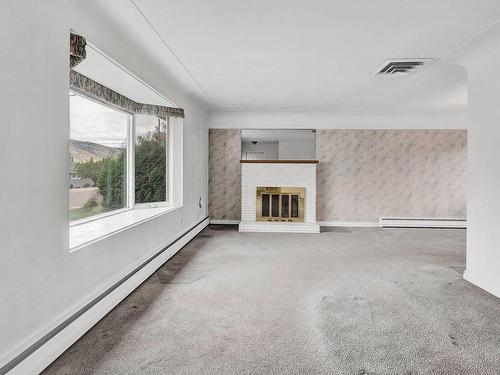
<point x="280" y="204"/>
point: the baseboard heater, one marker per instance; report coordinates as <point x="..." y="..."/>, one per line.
<point x="41" y="353"/>
<point x="419" y="222"/>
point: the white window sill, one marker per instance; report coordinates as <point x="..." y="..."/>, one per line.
<point x="87" y="233"/>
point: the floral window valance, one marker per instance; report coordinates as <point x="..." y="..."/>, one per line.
<point x="87" y="86"/>
<point x="77" y="51"/>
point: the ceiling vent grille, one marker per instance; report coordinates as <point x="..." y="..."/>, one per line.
<point x="399" y="67"/>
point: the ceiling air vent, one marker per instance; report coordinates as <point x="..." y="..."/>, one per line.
<point x="399" y="67"/>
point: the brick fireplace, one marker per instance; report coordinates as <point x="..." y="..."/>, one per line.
<point x="278" y="196"/>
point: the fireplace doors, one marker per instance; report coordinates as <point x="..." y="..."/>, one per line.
<point x="280" y="204"/>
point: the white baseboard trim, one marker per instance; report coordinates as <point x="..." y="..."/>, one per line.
<point x="417" y="222"/>
<point x="364" y="224"/>
<point x="46" y="352"/>
<point x="479" y="282"/>
<point x="224" y="222"/>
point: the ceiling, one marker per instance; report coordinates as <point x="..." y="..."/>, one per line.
<point x="310" y="55"/>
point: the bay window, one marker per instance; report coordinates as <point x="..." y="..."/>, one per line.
<point x="125" y="147"/>
<point x="118" y="160"/>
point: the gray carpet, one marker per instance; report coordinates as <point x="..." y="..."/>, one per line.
<point x="346" y="301"/>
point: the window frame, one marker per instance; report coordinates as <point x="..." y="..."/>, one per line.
<point x="130" y="167"/>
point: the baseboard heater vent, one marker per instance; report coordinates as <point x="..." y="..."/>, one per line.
<point x="419" y="222"/>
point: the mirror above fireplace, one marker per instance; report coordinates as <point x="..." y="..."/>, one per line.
<point x="278" y="144"/>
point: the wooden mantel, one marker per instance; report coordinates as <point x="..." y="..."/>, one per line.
<point x="281" y="161"/>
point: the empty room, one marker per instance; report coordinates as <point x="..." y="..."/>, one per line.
<point x="250" y="187"/>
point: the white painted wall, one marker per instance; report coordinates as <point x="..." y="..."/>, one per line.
<point x="338" y="120"/>
<point x="41" y="282"/>
<point x="483" y="238"/>
<point x="297" y="150"/>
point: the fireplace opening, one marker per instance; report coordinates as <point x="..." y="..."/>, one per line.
<point x="280" y="204"/>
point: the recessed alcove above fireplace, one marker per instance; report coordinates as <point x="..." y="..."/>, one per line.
<point x="278" y="196"/>
<point x="278" y="144"/>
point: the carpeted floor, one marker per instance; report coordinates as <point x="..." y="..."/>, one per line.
<point x="346" y="301"/>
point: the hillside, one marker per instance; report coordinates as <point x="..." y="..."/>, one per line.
<point x="84" y="151"/>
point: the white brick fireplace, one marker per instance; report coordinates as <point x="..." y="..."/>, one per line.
<point x="278" y="173"/>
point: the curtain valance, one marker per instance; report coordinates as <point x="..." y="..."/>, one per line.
<point x="84" y="85"/>
<point x="87" y="86"/>
<point x="77" y="51"/>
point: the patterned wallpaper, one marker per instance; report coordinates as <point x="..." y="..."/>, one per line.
<point x="362" y="174"/>
<point x="224" y="192"/>
<point x="366" y="174"/>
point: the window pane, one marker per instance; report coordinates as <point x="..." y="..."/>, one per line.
<point x="150" y="159"/>
<point x="275" y="205"/>
<point x="285" y="199"/>
<point x="265" y="205"/>
<point x="98" y="158"/>
<point x="295" y="206"/>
